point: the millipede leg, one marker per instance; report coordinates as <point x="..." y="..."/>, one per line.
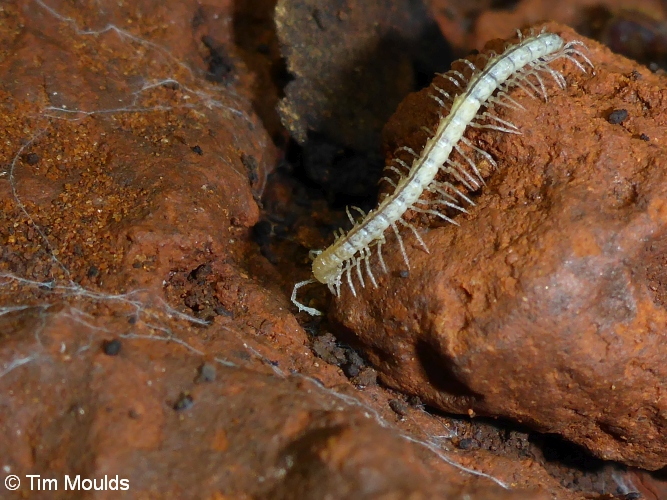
<point x="417" y="235"/>
<point x="382" y="264"/>
<point x="400" y="244"/>
<point x="367" y="254"/>
<point x="486" y="155"/>
<point x="500" y="99"/>
<point x="469" y="161"/>
<point x="402" y="163"/>
<point x="347" y="270"/>
<point x="349" y="216"/>
<point x="357" y="265"/>
<point x="434" y="212"/>
<point x="509" y="125"/>
<point x="440" y="201"/>
<point x="459" y="173"/>
<point x="388" y="181"/>
<point x="449" y="185"/>
<point x="409" y="150"/>
<point x="395" y="170"/>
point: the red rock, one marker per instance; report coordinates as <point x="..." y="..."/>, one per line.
<point x="469" y="25"/>
<point x="586" y="16"/>
<point x="546" y="305"/>
<point x="350" y="458"/>
<point x="651" y="486"/>
<point x="69" y="408"/>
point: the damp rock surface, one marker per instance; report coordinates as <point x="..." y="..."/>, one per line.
<point x="547" y="305"/>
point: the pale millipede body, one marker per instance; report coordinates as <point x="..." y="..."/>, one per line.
<point x="485" y="88"/>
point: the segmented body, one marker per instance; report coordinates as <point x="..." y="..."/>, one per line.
<point x="514" y="67"/>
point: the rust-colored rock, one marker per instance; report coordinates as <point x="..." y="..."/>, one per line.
<point x="353" y="458"/>
<point x="547" y="304"/>
<point x="634" y="24"/>
<point x="634" y="28"/>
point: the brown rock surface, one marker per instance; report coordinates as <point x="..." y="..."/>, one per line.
<point x="146" y="416"/>
<point x="632" y="27"/>
<point x="547" y="304"/>
<point x="352" y="65"/>
<point x="586" y="16"/>
<point x="142" y="333"/>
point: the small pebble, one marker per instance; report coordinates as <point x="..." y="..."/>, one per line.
<point x="400" y="407"/>
<point x="467" y="443"/>
<point x="32" y="159"/>
<point x="353" y="358"/>
<point x="222" y="311"/>
<point x="206" y="373"/>
<point x="200" y="273"/>
<point x="351" y="371"/>
<point x="415" y="401"/>
<point x="198" y="150"/>
<point x="617" y="116"/>
<point x="644" y="137"/>
<point x="326" y="348"/>
<point x="367" y="377"/>
<point x="354" y="363"/>
<point x="184" y="402"/>
<point x="111" y="347"/>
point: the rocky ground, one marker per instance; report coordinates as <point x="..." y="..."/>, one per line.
<point x="165" y="168"/>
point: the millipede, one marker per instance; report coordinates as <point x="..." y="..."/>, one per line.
<point x="446" y="152"/>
